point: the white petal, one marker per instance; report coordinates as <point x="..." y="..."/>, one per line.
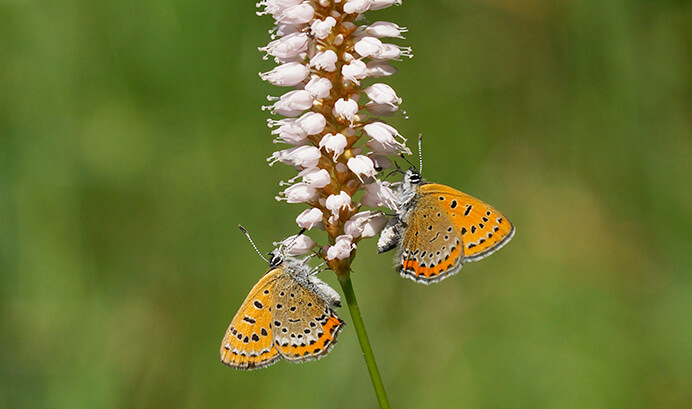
<point x="298" y="193"/>
<point x="324" y="60"/>
<point x="362" y="166"/>
<point x="381" y="29"/>
<point x="379" y="194"/>
<point x="381" y="109"/>
<point x="368" y="46"/>
<point x="383" y="4"/>
<point x="377" y="68"/>
<point x="337" y="202"/>
<point x="299" y="14"/>
<point x="286" y="75"/>
<point x="365" y="224"/>
<point x="321" y="28"/>
<point x="311" y="123"/>
<point x="288" y="46"/>
<point x="382" y="94"/>
<point x="309" y="218"/>
<point x="342" y="248"/>
<point x="297" y="245"/>
<point x="356" y="6"/>
<point x="305" y="156"/>
<point x="334" y="143"/>
<point x="346" y="109"/>
<point x="293" y="103"/>
<point x="318" y="87"/>
<point x="354" y="71"/>
<point x="316" y="177"/>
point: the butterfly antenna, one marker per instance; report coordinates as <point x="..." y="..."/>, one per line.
<point x="420" y="152"/>
<point x="288" y="246"/>
<point x="252" y="242"/>
<point x="402" y="156"/>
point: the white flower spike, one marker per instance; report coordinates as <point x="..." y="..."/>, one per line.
<point x="325" y="49"/>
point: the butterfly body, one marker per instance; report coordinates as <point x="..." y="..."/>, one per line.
<point x="438" y="228"/>
<point x="288" y="314"/>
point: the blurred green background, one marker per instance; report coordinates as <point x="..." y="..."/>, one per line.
<point x="132" y="143"/>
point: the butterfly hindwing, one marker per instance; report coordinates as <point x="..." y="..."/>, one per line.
<point x="304" y="323"/>
<point x="248" y="343"/>
<point x="483" y="229"/>
<point x="430" y="248"/>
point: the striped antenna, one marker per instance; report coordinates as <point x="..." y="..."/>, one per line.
<point x="420" y="152"/>
<point x="252" y="242"/>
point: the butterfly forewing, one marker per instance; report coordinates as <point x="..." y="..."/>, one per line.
<point x="431" y="246"/>
<point x="248" y="343"/>
<point x="305" y="325"/>
<point x="483" y="229"/>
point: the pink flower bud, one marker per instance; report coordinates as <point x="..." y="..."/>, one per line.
<point x="276" y="7"/>
<point x="381" y="29"/>
<point x="383" y="4"/>
<point x="288" y="46"/>
<point x="297" y="245"/>
<point x="345" y="109"/>
<point x="316" y="177"/>
<point x="382" y="94"/>
<point x="356" y="6"/>
<point x="304" y="156"/>
<point x="311" y="123"/>
<point x="318" y="87"/>
<point x="286" y="75"/>
<point x="354" y="71"/>
<point x="298" y="193"/>
<point x="392" y="52"/>
<point x="293" y="103"/>
<point x="342" y="248"/>
<point x="378" y="68"/>
<point x="324" y="60"/>
<point x="379" y="194"/>
<point x="334" y="143"/>
<point x="365" y="224"/>
<point x="299" y="14"/>
<point x="368" y="46"/>
<point x="309" y="218"/>
<point x="322" y="28"/>
<point x="362" y="166"/>
<point x="337" y="202"/>
<point x="288" y="131"/>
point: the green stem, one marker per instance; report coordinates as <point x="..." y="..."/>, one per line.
<point x="345" y="280"/>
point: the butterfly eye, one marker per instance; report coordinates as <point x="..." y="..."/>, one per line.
<point x="414" y="178"/>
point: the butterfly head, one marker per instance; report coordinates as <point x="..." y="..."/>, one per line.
<point x="276" y="258"/>
<point x="412" y="177"/>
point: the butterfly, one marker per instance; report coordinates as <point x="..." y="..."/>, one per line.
<point x="437" y="228"/>
<point x="288" y="314"/>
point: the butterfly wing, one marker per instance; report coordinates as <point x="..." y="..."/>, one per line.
<point x="430" y="249"/>
<point x="248" y="343"/>
<point x="483" y="229"/>
<point x="304" y="323"/>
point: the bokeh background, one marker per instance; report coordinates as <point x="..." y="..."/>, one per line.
<point x="132" y="143"/>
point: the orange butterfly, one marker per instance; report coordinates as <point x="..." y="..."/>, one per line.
<point x="288" y="314"/>
<point x="438" y="228"/>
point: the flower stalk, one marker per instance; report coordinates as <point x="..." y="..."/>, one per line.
<point x="352" y="302"/>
